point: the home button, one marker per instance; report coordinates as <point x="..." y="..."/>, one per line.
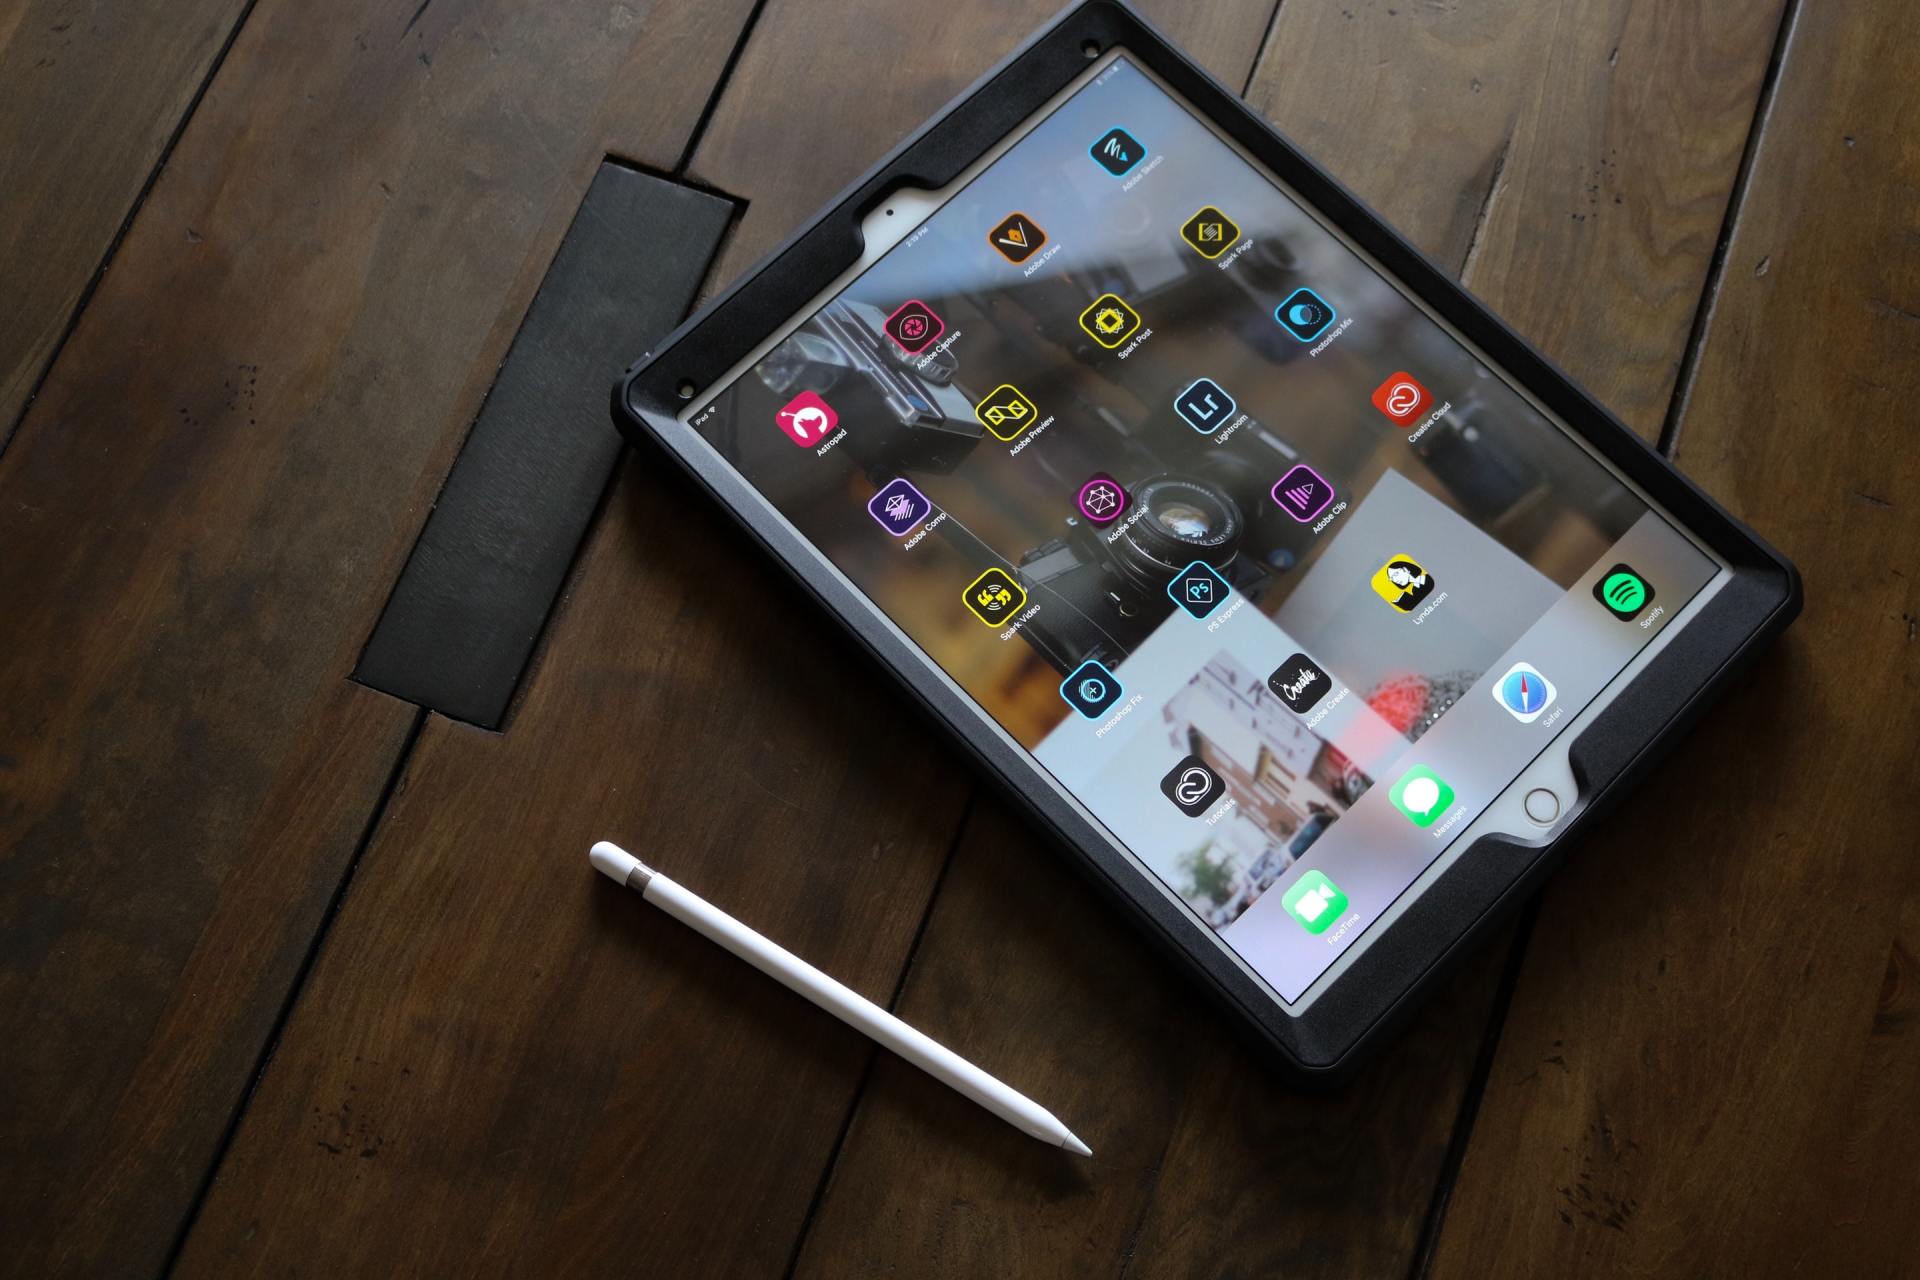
<point x="1543" y="806"/>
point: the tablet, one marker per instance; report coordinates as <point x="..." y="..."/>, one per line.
<point x="1293" y="593"/>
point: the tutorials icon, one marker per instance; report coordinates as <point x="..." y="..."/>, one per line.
<point x="1192" y="786"/>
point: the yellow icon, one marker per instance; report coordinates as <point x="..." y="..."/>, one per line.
<point x="1403" y="582"/>
<point x="1210" y="232"/>
<point x="994" y="597"/>
<point x="1006" y="412"/>
<point x="1109" y="321"/>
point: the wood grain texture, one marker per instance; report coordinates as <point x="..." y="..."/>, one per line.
<point x="1206" y="1161"/>
<point x="504" y="1063"/>
<point x="202" y="512"/>
<point x="89" y="96"/>
<point x="807" y="159"/>
<point x="1571" y="161"/>
<point x="491" y="1071"/>
<point x="1713" y="1053"/>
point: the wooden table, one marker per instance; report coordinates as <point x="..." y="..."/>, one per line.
<point x="297" y="978"/>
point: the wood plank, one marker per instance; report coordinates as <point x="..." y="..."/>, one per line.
<point x="1554" y="152"/>
<point x="503" y="1062"/>
<point x="1042" y="982"/>
<point x="1711" y="1061"/>
<point x="202" y="513"/>
<point x="92" y="97"/>
<point x="1203" y="1159"/>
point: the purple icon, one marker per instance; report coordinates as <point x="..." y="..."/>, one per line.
<point x="1101" y="500"/>
<point x="1303" y="493"/>
<point x="899" y="507"/>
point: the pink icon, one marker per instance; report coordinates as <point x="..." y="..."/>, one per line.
<point x="807" y="419"/>
<point x="1303" y="493"/>
<point x="1101" y="500"/>
<point x="913" y="326"/>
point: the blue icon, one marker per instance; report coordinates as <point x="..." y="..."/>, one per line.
<point x="1198" y="589"/>
<point x="1305" y="314"/>
<point x="1524" y="692"/>
<point x="899" y="507"/>
<point x="1091" y="689"/>
<point x="1205" y="406"/>
<point x="1117" y="151"/>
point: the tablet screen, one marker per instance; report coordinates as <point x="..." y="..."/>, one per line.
<point x="1255" y="558"/>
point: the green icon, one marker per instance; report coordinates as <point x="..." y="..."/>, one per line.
<point x="1315" y="901"/>
<point x="1624" y="592"/>
<point x="1422" y="795"/>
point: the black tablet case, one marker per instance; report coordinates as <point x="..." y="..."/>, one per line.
<point x="1494" y="875"/>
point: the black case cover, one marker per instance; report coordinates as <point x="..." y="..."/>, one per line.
<point x="1495" y="874"/>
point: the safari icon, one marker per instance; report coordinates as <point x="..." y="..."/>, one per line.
<point x="1422" y="795"/>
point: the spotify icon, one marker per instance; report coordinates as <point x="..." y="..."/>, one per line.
<point x="1624" y="592"/>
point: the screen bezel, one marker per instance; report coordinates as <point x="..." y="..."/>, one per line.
<point x="1607" y="744"/>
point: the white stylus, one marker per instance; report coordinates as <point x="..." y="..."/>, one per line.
<point x="938" y="1061"/>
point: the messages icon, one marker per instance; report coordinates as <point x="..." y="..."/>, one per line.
<point x="1422" y="795"/>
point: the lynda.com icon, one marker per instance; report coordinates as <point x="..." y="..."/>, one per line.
<point x="1192" y="786"/>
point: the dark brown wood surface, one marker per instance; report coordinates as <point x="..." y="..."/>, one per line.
<point x="203" y="511"/>
<point x="1730" y="1088"/>
<point x="90" y="95"/>
<point x="214" y="844"/>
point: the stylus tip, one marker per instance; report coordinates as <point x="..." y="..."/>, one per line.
<point x="611" y="861"/>
<point x="1076" y="1146"/>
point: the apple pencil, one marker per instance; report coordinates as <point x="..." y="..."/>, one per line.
<point x="938" y="1061"/>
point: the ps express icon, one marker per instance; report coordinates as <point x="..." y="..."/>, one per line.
<point x="1192" y="786"/>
